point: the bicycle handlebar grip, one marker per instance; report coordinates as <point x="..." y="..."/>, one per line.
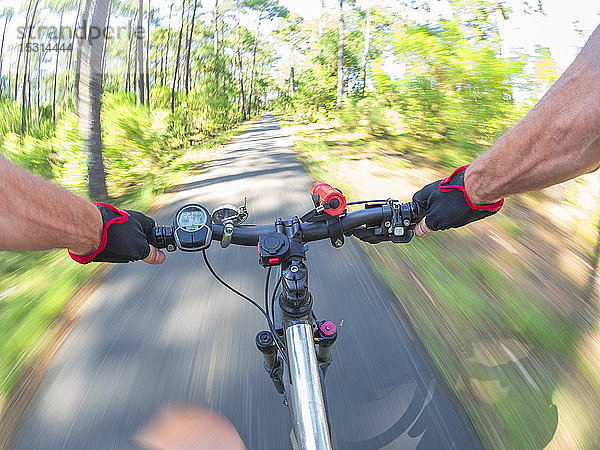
<point x="418" y="212"/>
<point x="331" y="196"/>
<point x="162" y="237"/>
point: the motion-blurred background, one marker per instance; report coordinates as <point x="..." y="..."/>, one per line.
<point x="120" y="98"/>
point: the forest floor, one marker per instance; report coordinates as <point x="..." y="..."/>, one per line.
<point x="507" y="307"/>
<point x="41" y="293"/>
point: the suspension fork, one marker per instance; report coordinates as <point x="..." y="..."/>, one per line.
<point x="307" y="405"/>
<point x="306" y="401"/>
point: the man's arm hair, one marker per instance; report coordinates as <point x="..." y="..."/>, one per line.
<point x="38" y="215"/>
<point x="558" y="140"/>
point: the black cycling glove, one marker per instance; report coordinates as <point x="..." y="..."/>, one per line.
<point x="125" y="236"/>
<point x="445" y="203"/>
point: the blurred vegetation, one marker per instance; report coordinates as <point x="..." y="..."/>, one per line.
<point x="506" y="307"/>
<point x="378" y="87"/>
<point x="449" y="88"/>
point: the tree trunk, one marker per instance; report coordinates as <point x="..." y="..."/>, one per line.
<point x="320" y="23"/>
<point x="139" y="54"/>
<point x="26" y="74"/>
<point x="239" y="54"/>
<point x="135" y="70"/>
<point x="110" y="3"/>
<point x="177" y="59"/>
<point x="81" y="38"/>
<point x="189" y="49"/>
<point x="499" y="21"/>
<point x="162" y="69"/>
<point x="242" y="95"/>
<point x="215" y="35"/>
<point x="91" y="102"/>
<point x="340" y="68"/>
<point x="165" y="74"/>
<point x="128" y="73"/>
<point x="252" y="70"/>
<point x="39" y="87"/>
<point x="148" y="57"/>
<point x="2" y="46"/>
<point x="216" y="43"/>
<point x="21" y="47"/>
<point x="257" y="100"/>
<point x="366" y="52"/>
<point x="72" y="46"/>
<point x="292" y="83"/>
<point x="56" y="68"/>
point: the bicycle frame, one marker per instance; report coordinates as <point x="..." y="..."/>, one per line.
<point x="307" y="408"/>
<point x="306" y="403"/>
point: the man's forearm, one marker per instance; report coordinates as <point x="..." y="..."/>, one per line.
<point x="558" y="140"/>
<point x="37" y="215"/>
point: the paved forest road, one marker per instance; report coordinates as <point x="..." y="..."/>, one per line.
<point x="152" y="336"/>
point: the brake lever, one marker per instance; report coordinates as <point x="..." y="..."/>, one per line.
<point x="398" y="229"/>
<point x="375" y="236"/>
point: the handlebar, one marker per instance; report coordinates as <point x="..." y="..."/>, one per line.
<point x="311" y="231"/>
<point x="362" y="223"/>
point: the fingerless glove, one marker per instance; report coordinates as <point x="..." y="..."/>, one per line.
<point x="125" y="236"/>
<point x="445" y="203"/>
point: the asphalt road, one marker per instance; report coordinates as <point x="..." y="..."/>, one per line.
<point x="153" y="336"/>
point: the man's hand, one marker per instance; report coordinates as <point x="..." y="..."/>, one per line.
<point x="187" y="428"/>
<point x="125" y="236"/>
<point x="446" y="204"/>
<point x="38" y="215"/>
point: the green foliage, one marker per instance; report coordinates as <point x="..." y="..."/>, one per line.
<point x="70" y="168"/>
<point x="134" y="145"/>
<point x="10" y="117"/>
<point x="268" y="9"/>
<point x="138" y="144"/>
<point x="455" y="94"/>
<point x="29" y="152"/>
<point x="316" y="91"/>
<point x="453" y="89"/>
<point x="368" y="113"/>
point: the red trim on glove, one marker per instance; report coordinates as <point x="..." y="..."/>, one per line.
<point x="493" y="207"/>
<point x="121" y="219"/>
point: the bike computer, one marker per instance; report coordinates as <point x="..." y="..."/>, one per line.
<point x="192" y="228"/>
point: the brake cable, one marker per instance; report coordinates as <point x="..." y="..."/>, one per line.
<point x="362" y="202"/>
<point x="245" y="297"/>
<point x="273" y="300"/>
<point x="267" y="291"/>
<point x="279" y="342"/>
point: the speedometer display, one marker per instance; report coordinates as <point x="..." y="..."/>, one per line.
<point x="191" y="220"/>
<point x="192" y="228"/>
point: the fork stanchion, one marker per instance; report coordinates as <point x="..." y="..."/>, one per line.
<point x="327" y="334"/>
<point x="273" y="364"/>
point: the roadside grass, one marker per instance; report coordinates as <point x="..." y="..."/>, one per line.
<point x="469" y="336"/>
<point x="504" y="321"/>
<point x="36" y="287"/>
